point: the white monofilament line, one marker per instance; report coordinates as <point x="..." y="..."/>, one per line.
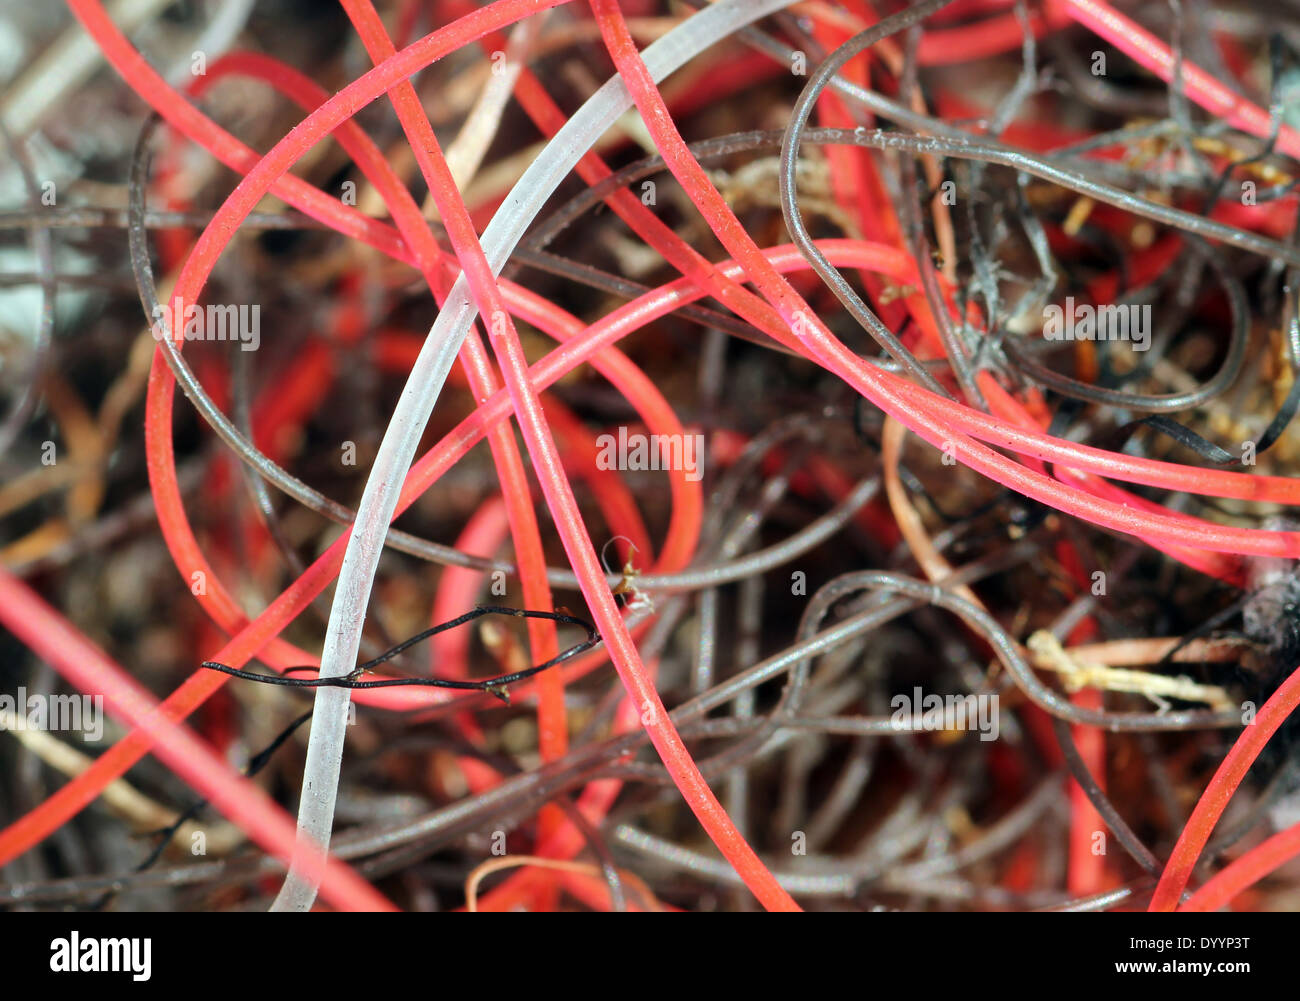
<point x="397" y="450"/>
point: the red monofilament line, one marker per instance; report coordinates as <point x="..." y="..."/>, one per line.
<point x="1244" y="872"/>
<point x="1210" y="807"/>
<point x="1144" y="48"/>
<point x="57" y="641"/>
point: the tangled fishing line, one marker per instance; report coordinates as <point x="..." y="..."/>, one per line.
<point x="906" y="396"/>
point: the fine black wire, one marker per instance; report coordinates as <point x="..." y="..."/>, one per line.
<point x="493" y="686"/>
<point x="1203" y="630"/>
<point x="164" y="835"/>
<point x="1211" y="452"/>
